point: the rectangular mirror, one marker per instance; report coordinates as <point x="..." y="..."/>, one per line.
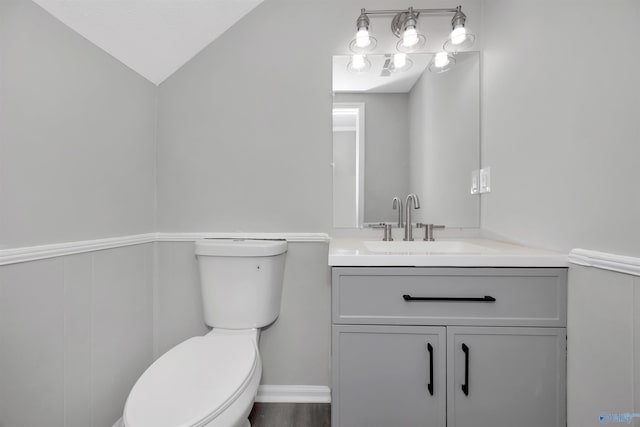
<point x="401" y="132"/>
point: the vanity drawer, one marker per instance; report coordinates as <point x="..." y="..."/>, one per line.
<point x="450" y="296"/>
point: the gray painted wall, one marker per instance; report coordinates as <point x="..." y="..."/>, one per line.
<point x="560" y="123"/>
<point x="243" y="145"/>
<point x="77" y="161"/>
<point x="386" y="171"/>
<point x="76" y="135"/>
<point x="75" y="334"/>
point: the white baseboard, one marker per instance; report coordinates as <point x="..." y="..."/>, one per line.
<point x="294" y="394"/>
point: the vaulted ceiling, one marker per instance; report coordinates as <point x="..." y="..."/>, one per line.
<point x="152" y="37"/>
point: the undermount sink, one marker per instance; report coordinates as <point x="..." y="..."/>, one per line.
<point x="422" y="247"/>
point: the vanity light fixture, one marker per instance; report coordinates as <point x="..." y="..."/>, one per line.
<point x="363" y="42"/>
<point x="460" y="38"/>
<point x="404" y="25"/>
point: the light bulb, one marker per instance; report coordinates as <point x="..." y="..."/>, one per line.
<point x="410" y="37"/>
<point x="362" y="38"/>
<point x="399" y="60"/>
<point x="441" y="60"/>
<point x="358" y="62"/>
<point x="458" y="35"/>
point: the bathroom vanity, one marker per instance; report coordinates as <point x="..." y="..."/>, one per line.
<point x="471" y="333"/>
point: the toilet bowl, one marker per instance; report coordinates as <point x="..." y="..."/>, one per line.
<point x="212" y="380"/>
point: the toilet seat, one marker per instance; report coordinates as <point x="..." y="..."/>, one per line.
<point x="191" y="384"/>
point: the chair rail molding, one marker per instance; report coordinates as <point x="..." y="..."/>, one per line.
<point x="606" y="261"/>
<point x="289" y="237"/>
<point x="34" y="253"/>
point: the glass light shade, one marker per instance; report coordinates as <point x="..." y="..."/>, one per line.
<point x="459" y="39"/>
<point x="363" y="39"/>
<point x="410" y="37"/>
<point x="401" y="62"/>
<point x="457" y="36"/>
<point x="441" y="62"/>
<point x="363" y="42"/>
<point x="410" y="41"/>
<point x="359" y="64"/>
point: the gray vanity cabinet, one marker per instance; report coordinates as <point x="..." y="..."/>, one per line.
<point x="512" y="376"/>
<point x="454" y="347"/>
<point x="389" y="376"/>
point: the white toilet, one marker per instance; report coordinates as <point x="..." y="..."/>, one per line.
<point x="211" y="381"/>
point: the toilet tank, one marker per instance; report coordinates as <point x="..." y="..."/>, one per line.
<point x="241" y="281"/>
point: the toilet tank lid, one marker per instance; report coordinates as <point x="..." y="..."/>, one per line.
<point x="240" y="247"/>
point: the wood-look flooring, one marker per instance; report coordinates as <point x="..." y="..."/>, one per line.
<point x="290" y="415"/>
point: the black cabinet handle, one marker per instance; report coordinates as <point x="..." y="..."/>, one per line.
<point x="465" y="386"/>
<point x="486" y="298"/>
<point x="430" y="385"/>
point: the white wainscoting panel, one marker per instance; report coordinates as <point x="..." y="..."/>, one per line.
<point x="603" y="338"/>
<point x="75" y="334"/>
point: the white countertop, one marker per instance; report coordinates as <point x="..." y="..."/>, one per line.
<point x="353" y="252"/>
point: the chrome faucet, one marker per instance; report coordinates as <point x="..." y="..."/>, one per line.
<point x="397" y="204"/>
<point x="408" y="230"/>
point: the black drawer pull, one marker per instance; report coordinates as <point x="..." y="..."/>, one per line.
<point x="465" y="386"/>
<point x="430" y="385"/>
<point x="486" y="298"/>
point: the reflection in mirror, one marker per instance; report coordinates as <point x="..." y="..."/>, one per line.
<point x="348" y="164"/>
<point x="420" y="134"/>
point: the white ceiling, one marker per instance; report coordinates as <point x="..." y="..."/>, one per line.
<point x="153" y="37"/>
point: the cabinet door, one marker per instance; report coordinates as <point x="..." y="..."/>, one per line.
<point x="506" y="377"/>
<point x="385" y="376"/>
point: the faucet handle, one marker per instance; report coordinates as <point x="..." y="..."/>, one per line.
<point x="376" y="225"/>
<point x="428" y="230"/>
<point x="387" y="230"/>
